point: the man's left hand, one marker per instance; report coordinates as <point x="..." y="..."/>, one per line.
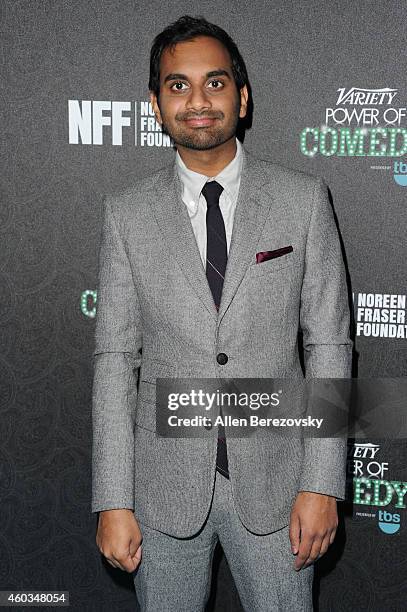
<point x="313" y="523"/>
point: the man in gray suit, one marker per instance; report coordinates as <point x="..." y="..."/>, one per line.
<point x="209" y="268"/>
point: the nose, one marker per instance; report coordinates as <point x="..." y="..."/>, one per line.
<point x="198" y="100"/>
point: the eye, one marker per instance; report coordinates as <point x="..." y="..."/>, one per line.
<point x="217" y="84"/>
<point x="178" y="86"/>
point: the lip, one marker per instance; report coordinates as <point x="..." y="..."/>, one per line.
<point x="200" y="121"/>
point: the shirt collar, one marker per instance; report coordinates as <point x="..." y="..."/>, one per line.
<point x="193" y="182"/>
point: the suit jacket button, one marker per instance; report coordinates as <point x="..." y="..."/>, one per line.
<point x="222" y="358"/>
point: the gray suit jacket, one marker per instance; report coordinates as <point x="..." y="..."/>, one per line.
<point x="156" y="318"/>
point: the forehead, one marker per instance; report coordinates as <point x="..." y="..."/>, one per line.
<point x="197" y="56"/>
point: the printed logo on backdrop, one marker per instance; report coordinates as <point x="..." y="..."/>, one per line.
<point x="104" y="122"/>
<point x="380" y="315"/>
<point x="372" y="487"/>
<point x="362" y="123"/>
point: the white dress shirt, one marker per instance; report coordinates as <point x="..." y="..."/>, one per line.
<point x="192" y="184"/>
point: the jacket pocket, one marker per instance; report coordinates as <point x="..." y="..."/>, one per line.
<point x="273" y="265"/>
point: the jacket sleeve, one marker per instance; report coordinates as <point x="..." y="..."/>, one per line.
<point x="325" y="321"/>
<point x="116" y="361"/>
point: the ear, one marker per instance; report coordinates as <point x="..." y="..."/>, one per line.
<point x="156" y="109"/>
<point x="244" y="96"/>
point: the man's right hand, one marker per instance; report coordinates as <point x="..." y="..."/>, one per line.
<point x="119" y="538"/>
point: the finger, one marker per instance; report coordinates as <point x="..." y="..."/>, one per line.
<point x="137" y="554"/>
<point x="136" y="559"/>
<point x="120" y="563"/>
<point x="294" y="533"/>
<point x="113" y="563"/>
<point x="304" y="550"/>
<point x="134" y="551"/>
<point x="110" y="559"/>
<point x="332" y="536"/>
<point x="134" y="545"/>
<point x="129" y="564"/>
<point x="315" y="550"/>
<point x="324" y="546"/>
<point x="132" y="561"/>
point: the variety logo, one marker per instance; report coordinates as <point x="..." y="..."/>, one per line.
<point x="355" y="96"/>
<point x="363" y="123"/>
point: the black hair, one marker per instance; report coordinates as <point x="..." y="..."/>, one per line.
<point x="187" y="28"/>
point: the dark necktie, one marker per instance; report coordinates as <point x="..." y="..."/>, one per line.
<point x="216" y="259"/>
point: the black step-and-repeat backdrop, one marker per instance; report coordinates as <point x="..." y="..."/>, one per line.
<point x="329" y="94"/>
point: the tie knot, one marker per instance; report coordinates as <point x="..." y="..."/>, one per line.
<point x="211" y="191"/>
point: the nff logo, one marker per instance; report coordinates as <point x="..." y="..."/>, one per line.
<point x="388" y="522"/>
<point x="102" y="121"/>
<point x="400" y="173"/>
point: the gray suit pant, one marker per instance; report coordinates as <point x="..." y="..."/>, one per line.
<point x="175" y="573"/>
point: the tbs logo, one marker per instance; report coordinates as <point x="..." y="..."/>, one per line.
<point x="388" y="522"/>
<point x="400" y="173"/>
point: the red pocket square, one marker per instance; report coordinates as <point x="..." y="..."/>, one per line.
<point x="266" y="255"/>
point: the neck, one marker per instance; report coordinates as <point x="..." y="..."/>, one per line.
<point x="211" y="161"/>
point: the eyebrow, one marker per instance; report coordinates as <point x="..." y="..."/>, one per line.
<point x="213" y="73"/>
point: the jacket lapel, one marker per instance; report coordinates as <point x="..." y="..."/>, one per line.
<point x="172" y="217"/>
<point x="252" y="209"/>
